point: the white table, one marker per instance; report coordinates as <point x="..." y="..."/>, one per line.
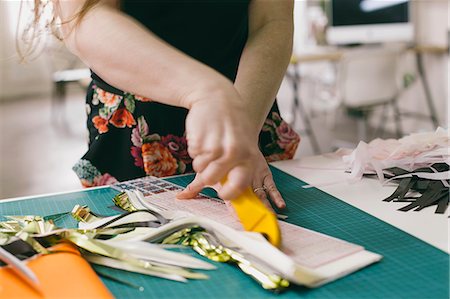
<point x="368" y="195"/>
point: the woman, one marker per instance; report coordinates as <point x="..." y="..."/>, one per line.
<point x="184" y="85"/>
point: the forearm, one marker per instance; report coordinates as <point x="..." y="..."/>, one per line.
<point x="128" y="56"/>
<point x="263" y="65"/>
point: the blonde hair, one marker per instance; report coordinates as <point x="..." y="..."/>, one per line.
<point x="30" y="41"/>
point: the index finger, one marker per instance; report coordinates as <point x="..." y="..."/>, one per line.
<point x="193" y="189"/>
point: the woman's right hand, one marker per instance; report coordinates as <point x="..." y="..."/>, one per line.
<point x="221" y="143"/>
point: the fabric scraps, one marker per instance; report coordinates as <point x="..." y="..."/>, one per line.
<point x="409" y="153"/>
<point x="419" y="163"/>
<point x="420" y="189"/>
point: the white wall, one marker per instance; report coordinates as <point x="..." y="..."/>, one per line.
<point x="18" y="80"/>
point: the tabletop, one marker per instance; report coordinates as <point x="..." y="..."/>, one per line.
<point x="328" y="173"/>
<point x="410" y="268"/>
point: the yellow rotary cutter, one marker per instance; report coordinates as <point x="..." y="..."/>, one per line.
<point x="256" y="217"/>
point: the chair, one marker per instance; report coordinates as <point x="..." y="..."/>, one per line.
<point x="368" y="78"/>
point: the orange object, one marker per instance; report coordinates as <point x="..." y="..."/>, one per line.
<point x="61" y="275"/>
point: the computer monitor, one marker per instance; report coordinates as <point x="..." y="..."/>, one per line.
<point x="369" y="21"/>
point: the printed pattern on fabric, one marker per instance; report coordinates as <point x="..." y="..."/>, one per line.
<point x="90" y="176"/>
<point x="111" y="113"/>
<point x="284" y="139"/>
<point x="159" y="156"/>
<point x="120" y="133"/>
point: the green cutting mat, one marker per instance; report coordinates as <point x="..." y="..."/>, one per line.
<point x="410" y="268"/>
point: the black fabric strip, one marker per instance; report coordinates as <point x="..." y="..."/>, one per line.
<point x="427" y="198"/>
<point x="401" y="190"/>
<point x="20" y="249"/>
<point x="161" y="220"/>
<point x="433" y="192"/>
<point x="443" y="204"/>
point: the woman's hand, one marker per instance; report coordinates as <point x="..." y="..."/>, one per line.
<point x="263" y="184"/>
<point x="221" y="143"/>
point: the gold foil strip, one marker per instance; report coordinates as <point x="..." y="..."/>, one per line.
<point x="98" y="247"/>
<point x="27" y="227"/>
<point x="27" y="224"/>
<point x="5" y="239"/>
<point x="9" y="227"/>
<point x="83" y="214"/>
<point x="204" y="243"/>
<point x="267" y="280"/>
<point x="123" y="201"/>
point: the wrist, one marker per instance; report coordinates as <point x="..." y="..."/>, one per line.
<point x="220" y="89"/>
<point x="257" y="116"/>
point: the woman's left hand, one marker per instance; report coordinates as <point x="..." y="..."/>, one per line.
<point x="262" y="184"/>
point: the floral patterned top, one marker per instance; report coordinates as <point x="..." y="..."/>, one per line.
<point x="131" y="136"/>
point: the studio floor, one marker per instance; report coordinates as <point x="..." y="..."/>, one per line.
<point x="38" y="149"/>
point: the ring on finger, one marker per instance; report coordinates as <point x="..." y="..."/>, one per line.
<point x="263" y="188"/>
<point x="269" y="188"/>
